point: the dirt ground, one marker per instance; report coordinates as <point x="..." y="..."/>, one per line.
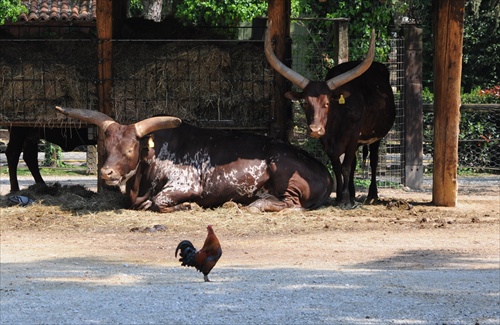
<point x="404" y="261"/>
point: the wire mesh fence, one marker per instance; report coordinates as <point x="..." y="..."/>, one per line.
<point x="479" y="140"/>
<point x="221" y="84"/>
<point x="224" y="84"/>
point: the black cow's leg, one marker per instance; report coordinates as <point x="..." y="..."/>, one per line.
<point x="337" y="171"/>
<point x="13" y="152"/>
<point x="373" y="192"/>
<point x="30" y="157"/>
<point x="23" y="140"/>
<point x="352" y="188"/>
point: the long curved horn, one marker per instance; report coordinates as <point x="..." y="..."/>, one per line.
<point x="152" y="124"/>
<point x="293" y="76"/>
<point x="347" y="76"/>
<point x="100" y="119"/>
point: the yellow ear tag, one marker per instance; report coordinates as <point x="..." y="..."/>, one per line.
<point x="341" y="100"/>
<point x="151" y="143"/>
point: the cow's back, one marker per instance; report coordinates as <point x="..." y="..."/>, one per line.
<point x="236" y="166"/>
<point x="373" y="102"/>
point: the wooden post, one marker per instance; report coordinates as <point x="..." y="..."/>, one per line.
<point x="279" y="13"/>
<point x="341" y="41"/>
<point x="104" y="73"/>
<point x="413" y="119"/>
<point x="448" y="27"/>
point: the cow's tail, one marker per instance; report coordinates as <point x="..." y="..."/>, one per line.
<point x="187" y="253"/>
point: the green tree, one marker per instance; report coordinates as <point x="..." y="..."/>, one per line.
<point x="481" y="48"/>
<point x="10" y="10"/>
<point x="220" y="13"/>
<point x="364" y="15"/>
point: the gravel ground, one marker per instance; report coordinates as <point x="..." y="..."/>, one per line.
<point x="64" y="279"/>
<point x="75" y="294"/>
<point x="373" y="266"/>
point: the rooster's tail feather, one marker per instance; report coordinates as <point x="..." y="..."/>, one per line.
<point x="187" y="253"/>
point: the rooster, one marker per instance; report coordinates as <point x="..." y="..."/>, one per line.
<point x="203" y="260"/>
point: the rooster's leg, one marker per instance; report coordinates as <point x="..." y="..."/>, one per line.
<point x="205" y="277"/>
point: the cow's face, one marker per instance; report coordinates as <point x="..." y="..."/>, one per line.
<point x="316" y="105"/>
<point x="122" y="148"/>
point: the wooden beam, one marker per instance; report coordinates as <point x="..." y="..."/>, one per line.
<point x="413" y="130"/>
<point x="104" y="12"/>
<point x="279" y="13"/>
<point x="448" y="27"/>
<point x="341" y="40"/>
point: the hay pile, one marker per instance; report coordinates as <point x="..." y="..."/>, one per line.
<point x="194" y="81"/>
<point x="75" y="198"/>
<point x="36" y="76"/>
<point x="197" y="81"/>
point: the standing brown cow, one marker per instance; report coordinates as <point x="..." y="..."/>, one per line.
<point x="354" y="106"/>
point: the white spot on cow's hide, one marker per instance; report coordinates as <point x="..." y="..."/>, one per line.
<point x="248" y="182"/>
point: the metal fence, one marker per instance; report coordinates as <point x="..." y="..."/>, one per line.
<point x="222" y="84"/>
<point x="479" y="138"/>
<point x="219" y="84"/>
<point x="37" y="75"/>
<point x="311" y="53"/>
<point x="225" y="84"/>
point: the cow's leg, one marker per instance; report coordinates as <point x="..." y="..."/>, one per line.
<point x="372" y="191"/>
<point x="272" y="204"/>
<point x="348" y="167"/>
<point x="30" y="157"/>
<point x="352" y="188"/>
<point x="337" y="171"/>
<point x="13" y="152"/>
<point x="23" y="140"/>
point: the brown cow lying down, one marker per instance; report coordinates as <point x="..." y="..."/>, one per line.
<point x="165" y="163"/>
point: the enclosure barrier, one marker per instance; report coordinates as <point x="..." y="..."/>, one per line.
<point x="479" y="138"/>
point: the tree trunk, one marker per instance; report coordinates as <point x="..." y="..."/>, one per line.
<point x="104" y="12"/>
<point x="152" y="9"/>
<point x="448" y="28"/>
<point x="279" y="14"/>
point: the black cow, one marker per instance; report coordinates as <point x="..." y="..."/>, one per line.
<point x="354" y="106"/>
<point x="165" y="164"/>
<point x="26" y="139"/>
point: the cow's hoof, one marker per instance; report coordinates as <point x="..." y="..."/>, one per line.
<point x="371" y="200"/>
<point x="349" y="205"/>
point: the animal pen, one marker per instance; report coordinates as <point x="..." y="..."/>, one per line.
<point x="209" y="83"/>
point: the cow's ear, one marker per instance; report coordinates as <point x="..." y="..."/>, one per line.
<point x="293" y="95"/>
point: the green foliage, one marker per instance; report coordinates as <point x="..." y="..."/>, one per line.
<point x="475" y="96"/>
<point x="479" y="129"/>
<point x="481" y="49"/>
<point x="10" y="10"/>
<point x="364" y="16"/>
<point x="136" y="7"/>
<point x="220" y="13"/>
<point x="53" y="155"/>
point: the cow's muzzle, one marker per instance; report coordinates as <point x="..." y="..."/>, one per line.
<point x="110" y="176"/>
<point x="316" y="131"/>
